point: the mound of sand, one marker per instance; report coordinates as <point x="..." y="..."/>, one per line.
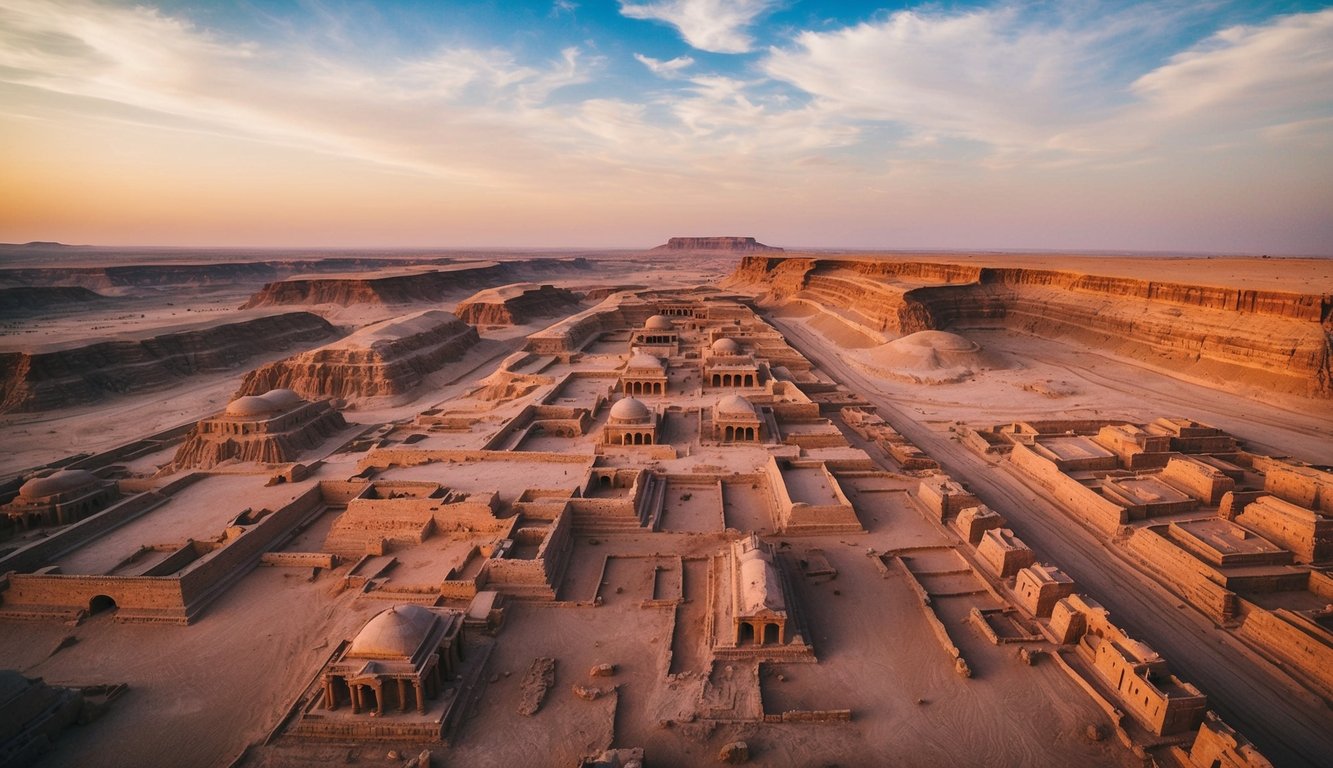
<point x="929" y="357"/>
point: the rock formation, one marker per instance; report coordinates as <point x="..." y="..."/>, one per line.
<point x="64" y="375"/>
<point x="1281" y="341"/>
<point x="271" y="428"/>
<point x="387" y="358"/>
<point x="39" y="298"/>
<point x="728" y="244"/>
<point x="516" y="304"/>
<point x="404" y="288"/>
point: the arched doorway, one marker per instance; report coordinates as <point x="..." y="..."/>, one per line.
<point x="100" y="604"/>
<point x="770" y="634"/>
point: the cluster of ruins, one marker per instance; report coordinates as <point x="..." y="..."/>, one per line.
<point x="659" y="489"/>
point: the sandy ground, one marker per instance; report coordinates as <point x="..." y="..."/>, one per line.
<point x="200" y="694"/>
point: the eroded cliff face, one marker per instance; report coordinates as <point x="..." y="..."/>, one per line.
<point x="387" y="358"/>
<point x="45" y="380"/>
<point x="425" y="286"/>
<point x="1271" y="339"/>
<point x="517" y="304"/>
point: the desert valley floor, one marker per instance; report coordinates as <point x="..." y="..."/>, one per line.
<point x="708" y="503"/>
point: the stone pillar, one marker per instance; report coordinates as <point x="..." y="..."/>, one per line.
<point x="379" y="700"/>
<point x="421" y="699"/>
<point x="330" y="695"/>
<point x="356" y="697"/>
<point x="402" y="695"/>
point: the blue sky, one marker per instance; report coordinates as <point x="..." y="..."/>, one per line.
<point x="1195" y="126"/>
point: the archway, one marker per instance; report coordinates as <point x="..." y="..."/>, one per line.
<point x="100" y="604"/>
<point x="770" y="634"/>
<point x="745" y="634"/>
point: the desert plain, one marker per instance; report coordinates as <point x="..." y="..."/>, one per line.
<point x="710" y="502"/>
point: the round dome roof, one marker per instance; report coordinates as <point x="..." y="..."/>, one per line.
<point x="735" y="404"/>
<point x="726" y="347"/>
<point x="630" y="409"/>
<point x="395" y="633"/>
<point x="644" y="360"/>
<point x="659" y="323"/>
<point x="251" y="405"/>
<point x="283" y="398"/>
<point x="60" y="481"/>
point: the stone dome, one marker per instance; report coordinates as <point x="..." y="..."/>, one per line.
<point x="396" y="633"/>
<point x="644" y="360"/>
<point x="284" y="399"/>
<point x="630" y="410"/>
<point x="251" y="406"/>
<point x="726" y="347"/>
<point x="735" y="405"/>
<point x="62" y="481"/>
<point x="659" y="323"/>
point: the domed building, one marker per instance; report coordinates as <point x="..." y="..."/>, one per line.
<point x="644" y="375"/>
<point x="60" y="498"/>
<point x="630" y="422"/>
<point x="400" y="658"/>
<point x="272" y="428"/>
<point x="727" y="365"/>
<point x="659" y="334"/>
<point x="725" y="346"/>
<point x="735" y="419"/>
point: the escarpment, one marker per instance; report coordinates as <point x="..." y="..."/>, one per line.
<point x="516" y="304"/>
<point x="1279" y="340"/>
<point x="41" y="298"/>
<point x="46" y="379"/>
<point x="406" y="288"/>
<point x="387" y="358"/>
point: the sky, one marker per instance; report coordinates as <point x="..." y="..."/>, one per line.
<point x="1183" y="126"/>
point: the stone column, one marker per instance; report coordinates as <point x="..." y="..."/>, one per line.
<point x="421" y="699"/>
<point x="356" y="697"/>
<point x="402" y="695"/>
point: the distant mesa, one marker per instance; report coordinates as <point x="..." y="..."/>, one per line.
<point x="726" y="244"/>
<point x="409" y="287"/>
<point x="516" y="304"/>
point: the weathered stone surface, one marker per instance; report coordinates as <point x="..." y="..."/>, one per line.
<point x="540" y="677"/>
<point x="516" y="304"/>
<point x="735" y="753"/>
<point x="68" y="375"/>
<point x="730" y="244"/>
<point x="387" y="358"/>
<point x="1275" y="339"/>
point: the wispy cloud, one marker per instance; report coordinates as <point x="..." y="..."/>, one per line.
<point x="719" y="26"/>
<point x="1045" y="86"/>
<point x="668" y="69"/>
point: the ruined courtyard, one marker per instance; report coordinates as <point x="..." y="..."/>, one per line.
<point x="712" y="503"/>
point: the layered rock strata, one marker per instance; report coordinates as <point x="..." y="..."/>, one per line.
<point x="1272" y="339"/>
<point x="70" y="375"/>
<point x="38" y="298"/>
<point x="729" y="244"/>
<point x="272" y="428"/>
<point x="516" y="304"/>
<point x="387" y="358"/>
<point x="405" y="288"/>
